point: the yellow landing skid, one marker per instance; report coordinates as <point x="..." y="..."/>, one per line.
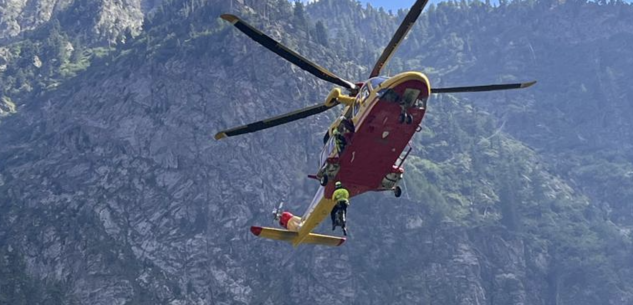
<point x="290" y="236"/>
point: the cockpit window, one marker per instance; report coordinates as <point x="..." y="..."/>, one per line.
<point x="376" y="81"/>
<point x="364" y="93"/>
<point x="355" y="108"/>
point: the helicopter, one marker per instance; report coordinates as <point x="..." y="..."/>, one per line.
<point x="366" y="146"/>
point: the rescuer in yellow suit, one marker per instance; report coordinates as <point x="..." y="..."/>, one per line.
<point x="341" y="195"/>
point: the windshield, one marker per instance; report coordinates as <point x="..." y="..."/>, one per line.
<point x="376" y="81"/>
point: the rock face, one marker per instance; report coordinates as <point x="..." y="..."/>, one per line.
<point x="95" y="20"/>
<point x="19" y="15"/>
<point x="124" y="197"/>
<point x="113" y="191"/>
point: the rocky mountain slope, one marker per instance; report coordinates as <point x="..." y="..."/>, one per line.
<point x="113" y="191"/>
<point x="95" y="21"/>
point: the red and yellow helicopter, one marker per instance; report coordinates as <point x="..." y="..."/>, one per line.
<point x="380" y="117"/>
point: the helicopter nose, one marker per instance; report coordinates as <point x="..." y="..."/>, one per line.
<point x="410" y="81"/>
<point x="405" y="88"/>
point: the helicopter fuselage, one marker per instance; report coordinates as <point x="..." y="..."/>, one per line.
<point x="386" y="114"/>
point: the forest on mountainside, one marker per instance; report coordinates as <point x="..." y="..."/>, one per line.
<point x="112" y="191"/>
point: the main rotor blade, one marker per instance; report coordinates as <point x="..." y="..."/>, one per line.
<point x="274" y="121"/>
<point x="286" y="53"/>
<point x="397" y="38"/>
<point x="483" y="88"/>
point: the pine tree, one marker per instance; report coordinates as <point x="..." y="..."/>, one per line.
<point x="321" y="34"/>
<point x="299" y="15"/>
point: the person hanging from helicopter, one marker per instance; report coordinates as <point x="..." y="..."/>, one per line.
<point x="339" y="212"/>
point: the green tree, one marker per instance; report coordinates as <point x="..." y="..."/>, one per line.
<point x="321" y="34"/>
<point x="299" y="15"/>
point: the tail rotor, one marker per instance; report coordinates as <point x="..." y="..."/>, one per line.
<point x="277" y="212"/>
